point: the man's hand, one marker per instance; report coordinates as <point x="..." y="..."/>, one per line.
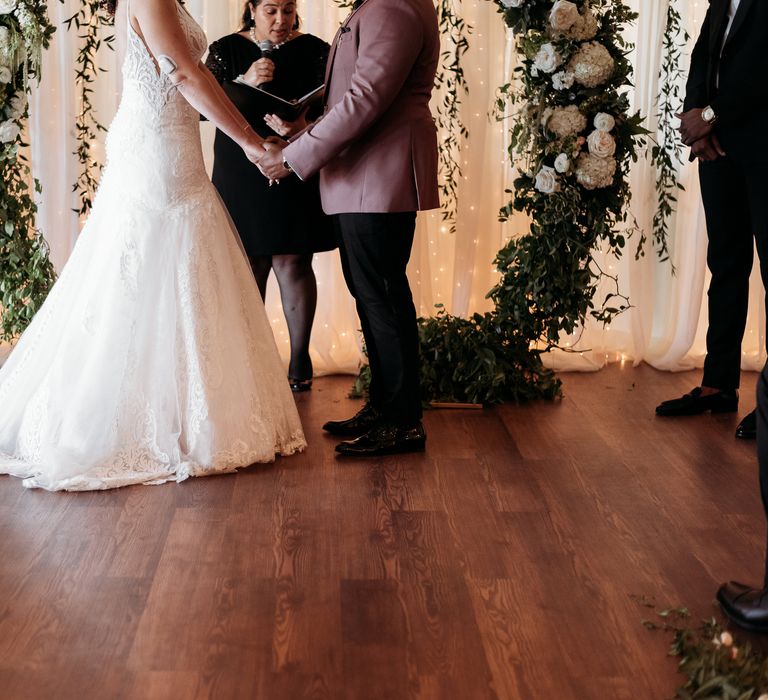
<point x="271" y="163"/>
<point x="708" y="148"/>
<point x="284" y="128"/>
<point x="692" y="127"/>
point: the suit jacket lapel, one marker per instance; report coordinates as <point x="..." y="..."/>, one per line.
<point x="332" y="53"/>
<point x="719" y="18"/>
<point x="738" y="20"/>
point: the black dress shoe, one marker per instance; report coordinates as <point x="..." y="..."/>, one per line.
<point x="365" y="419"/>
<point x="747" y="429"/>
<point x="299" y="386"/>
<point x="385" y="439"/>
<point x="695" y="403"/>
<point x="747" y="607"/>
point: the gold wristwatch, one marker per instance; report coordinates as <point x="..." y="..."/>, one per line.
<point x="708" y="115"/>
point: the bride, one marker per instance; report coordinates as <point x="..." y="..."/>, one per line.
<point x="152" y="358"/>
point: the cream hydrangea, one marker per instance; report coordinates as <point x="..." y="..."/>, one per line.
<point x="592" y="65"/>
<point x="565" y="121"/>
<point x="513" y="3"/>
<point x="593" y="172"/>
<point x="585" y="28"/>
<point x="17" y="105"/>
<point x="5" y="75"/>
<point x="9" y="131"/>
<point x="562" y="80"/>
<point x="7" y="6"/>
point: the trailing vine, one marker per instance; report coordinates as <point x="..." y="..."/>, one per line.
<point x="88" y="22"/>
<point x="451" y="82"/>
<point x="667" y="153"/>
<point x="26" y="273"/>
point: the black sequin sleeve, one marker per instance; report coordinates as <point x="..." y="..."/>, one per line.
<point x="218" y="62"/>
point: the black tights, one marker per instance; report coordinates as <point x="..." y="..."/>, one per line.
<point x="298" y="292"/>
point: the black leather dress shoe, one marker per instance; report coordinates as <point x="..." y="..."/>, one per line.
<point x="747" y="607"/>
<point x="695" y="403"/>
<point x="385" y="440"/>
<point x="365" y="419"/>
<point x="747" y="429"/>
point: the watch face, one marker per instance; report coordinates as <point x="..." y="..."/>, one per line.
<point x="708" y="114"/>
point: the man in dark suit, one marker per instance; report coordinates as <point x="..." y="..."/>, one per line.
<point x="724" y="122"/>
<point x="746" y="606"/>
<point x="376" y="150"/>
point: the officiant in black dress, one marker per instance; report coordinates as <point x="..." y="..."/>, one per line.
<point x="283" y="225"/>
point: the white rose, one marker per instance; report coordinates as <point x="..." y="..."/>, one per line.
<point x="604" y="122"/>
<point x="546" y="180"/>
<point x="601" y="144"/>
<point x="562" y="163"/>
<point x="5" y="74"/>
<point x="7" y="6"/>
<point x="17" y="106"/>
<point x="564" y="15"/>
<point x="512" y="3"/>
<point x="9" y="131"/>
<point x="547" y="60"/>
<point x="563" y="80"/>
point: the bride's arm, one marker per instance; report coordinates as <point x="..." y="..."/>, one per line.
<point x="161" y="30"/>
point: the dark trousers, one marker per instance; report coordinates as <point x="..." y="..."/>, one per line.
<point x="762" y="446"/>
<point x="735" y="199"/>
<point x="375" y="249"/>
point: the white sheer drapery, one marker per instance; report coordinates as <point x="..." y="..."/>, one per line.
<point x="667" y="323"/>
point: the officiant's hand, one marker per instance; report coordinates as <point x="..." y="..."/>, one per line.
<point x="692" y="127"/>
<point x="271" y="163"/>
<point x="260" y="72"/>
<point x="286" y="129"/>
<point x="708" y="148"/>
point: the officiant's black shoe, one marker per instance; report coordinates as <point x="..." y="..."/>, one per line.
<point x="385" y="439"/>
<point x="696" y="402"/>
<point x="747" y="607"/>
<point x="747" y="429"/>
<point x="365" y="419"/>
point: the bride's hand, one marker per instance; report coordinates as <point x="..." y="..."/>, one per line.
<point x="254" y="150"/>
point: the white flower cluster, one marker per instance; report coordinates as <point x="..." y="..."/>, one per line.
<point x="547" y="180"/>
<point x="547" y="60"/>
<point x="596" y="168"/>
<point x="7" y="6"/>
<point x="564" y="121"/>
<point x="512" y="3"/>
<point x="566" y="20"/>
<point x="592" y="65"/>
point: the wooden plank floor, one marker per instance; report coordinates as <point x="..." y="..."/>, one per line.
<point x="500" y="564"/>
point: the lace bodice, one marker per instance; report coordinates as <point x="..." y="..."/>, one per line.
<point x="155" y="124"/>
<point x="140" y="70"/>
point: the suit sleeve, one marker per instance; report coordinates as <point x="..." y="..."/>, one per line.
<point x="696" y="86"/>
<point x="390" y="39"/>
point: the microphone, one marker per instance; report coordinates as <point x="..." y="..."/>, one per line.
<point x="266" y="47"/>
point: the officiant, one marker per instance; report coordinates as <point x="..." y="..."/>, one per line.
<point x="283" y="225"/>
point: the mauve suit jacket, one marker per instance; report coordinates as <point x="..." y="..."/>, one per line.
<point x="376" y="143"/>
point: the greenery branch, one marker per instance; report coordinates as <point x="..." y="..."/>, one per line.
<point x="26" y="273"/>
<point x="88" y="22"/>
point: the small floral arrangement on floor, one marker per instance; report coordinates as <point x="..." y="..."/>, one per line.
<point x="716" y="664"/>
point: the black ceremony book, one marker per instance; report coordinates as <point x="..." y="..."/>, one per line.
<point x="268" y="103"/>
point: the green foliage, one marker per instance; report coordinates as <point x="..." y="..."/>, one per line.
<point x="667" y="152"/>
<point x="26" y="274"/>
<point x="88" y="22"/>
<point x="716" y="664"/>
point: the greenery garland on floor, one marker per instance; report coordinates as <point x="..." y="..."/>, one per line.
<point x="717" y="666"/>
<point x="26" y="273"/>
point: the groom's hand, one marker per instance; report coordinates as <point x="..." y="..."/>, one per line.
<point x="271" y="163"/>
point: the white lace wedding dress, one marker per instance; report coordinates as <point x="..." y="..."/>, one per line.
<point x="152" y="358"/>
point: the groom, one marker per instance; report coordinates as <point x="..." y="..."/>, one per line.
<point x="376" y="150"/>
